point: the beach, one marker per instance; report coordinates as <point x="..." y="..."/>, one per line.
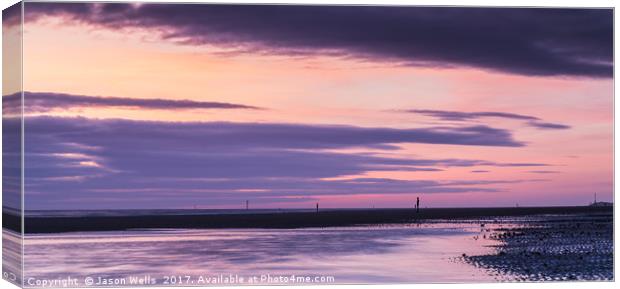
<point x="190" y="219"/>
<point x="341" y="255"/>
<point x="349" y="246"/>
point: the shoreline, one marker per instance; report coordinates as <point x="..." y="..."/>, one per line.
<point x="283" y="220"/>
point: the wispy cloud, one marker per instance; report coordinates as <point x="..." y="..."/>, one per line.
<point x="548" y="125"/>
<point x="461" y="116"/>
<point x="449" y="115"/>
<point x="47" y="101"/>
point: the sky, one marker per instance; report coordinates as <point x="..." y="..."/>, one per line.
<point x="165" y="106"/>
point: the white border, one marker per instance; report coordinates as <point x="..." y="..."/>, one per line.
<point x="511" y="3"/>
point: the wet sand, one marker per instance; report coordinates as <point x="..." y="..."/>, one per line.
<point x="552" y="248"/>
<point x="283" y="220"/>
<point x="502" y="244"/>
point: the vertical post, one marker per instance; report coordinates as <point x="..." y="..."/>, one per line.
<point x="595" y="198"/>
<point x="417" y="205"/>
<point x="247" y="204"/>
<point x="317" y="207"/>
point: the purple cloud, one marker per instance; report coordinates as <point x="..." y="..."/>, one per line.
<point x="47" y="101"/>
<point x="548" y="125"/>
<point x="12" y="15"/>
<point x="80" y="162"/>
<point x="528" y="41"/>
<point x="272" y="135"/>
<point x="462" y="116"/>
<point x="449" y="115"/>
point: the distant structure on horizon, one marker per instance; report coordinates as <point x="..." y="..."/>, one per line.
<point x="602" y="204"/>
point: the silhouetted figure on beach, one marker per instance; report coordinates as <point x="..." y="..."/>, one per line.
<point x="417" y="205"/>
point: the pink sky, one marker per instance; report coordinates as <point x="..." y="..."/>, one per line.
<point x="81" y="59"/>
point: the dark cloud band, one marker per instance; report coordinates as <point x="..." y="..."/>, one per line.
<point x="527" y="41"/>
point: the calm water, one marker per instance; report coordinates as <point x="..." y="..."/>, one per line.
<point x="377" y="254"/>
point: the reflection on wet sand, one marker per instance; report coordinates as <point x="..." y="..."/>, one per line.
<point x="556" y="247"/>
<point x="351" y="254"/>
